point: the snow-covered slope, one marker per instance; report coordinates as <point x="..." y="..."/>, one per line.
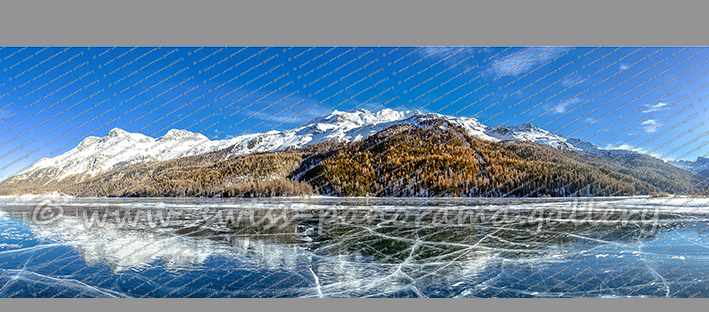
<point x="118" y="147"/>
<point x="97" y="154"/>
<point x="528" y="132"/>
<point x="341" y="126"/>
<point x="593" y="150"/>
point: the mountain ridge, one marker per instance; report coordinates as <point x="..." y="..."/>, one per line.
<point x="345" y="126"/>
<point x="119" y="148"/>
<point x="700" y="166"/>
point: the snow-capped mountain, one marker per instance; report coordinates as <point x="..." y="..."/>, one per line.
<point x="98" y="154"/>
<point x="341" y="126"/>
<point x="118" y="147"/>
<point x="528" y="132"/>
<point x="360" y="124"/>
<point x="699" y="166"/>
<point x="593" y="150"/>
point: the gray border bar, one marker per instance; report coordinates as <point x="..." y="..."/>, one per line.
<point x="361" y="23"/>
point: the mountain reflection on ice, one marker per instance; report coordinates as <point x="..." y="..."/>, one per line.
<point x="354" y="247"/>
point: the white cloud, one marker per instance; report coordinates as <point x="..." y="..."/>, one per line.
<point x="572" y="80"/>
<point x="623" y="66"/>
<point x="651" y="125"/>
<point x="655" y="108"/>
<point x="561" y="108"/>
<point x="622" y="146"/>
<point x="518" y="62"/>
<point x="630" y="148"/>
<point x="564" y="106"/>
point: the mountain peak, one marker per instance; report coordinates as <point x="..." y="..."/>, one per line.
<point x="526" y="127"/>
<point x="583" y="145"/>
<point x="88" y="141"/>
<point x="182" y="135"/>
<point x="116" y="132"/>
<point x="360" y="117"/>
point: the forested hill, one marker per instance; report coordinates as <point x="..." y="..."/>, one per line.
<point x="438" y="158"/>
<point x="646" y="168"/>
<point x="431" y="158"/>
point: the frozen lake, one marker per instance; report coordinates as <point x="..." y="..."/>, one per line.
<point x="353" y="247"/>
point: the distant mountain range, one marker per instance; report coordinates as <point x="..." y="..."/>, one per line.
<point x="119" y="150"/>
<point x="699" y="166"/>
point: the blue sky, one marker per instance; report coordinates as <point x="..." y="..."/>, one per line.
<point x="652" y="99"/>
